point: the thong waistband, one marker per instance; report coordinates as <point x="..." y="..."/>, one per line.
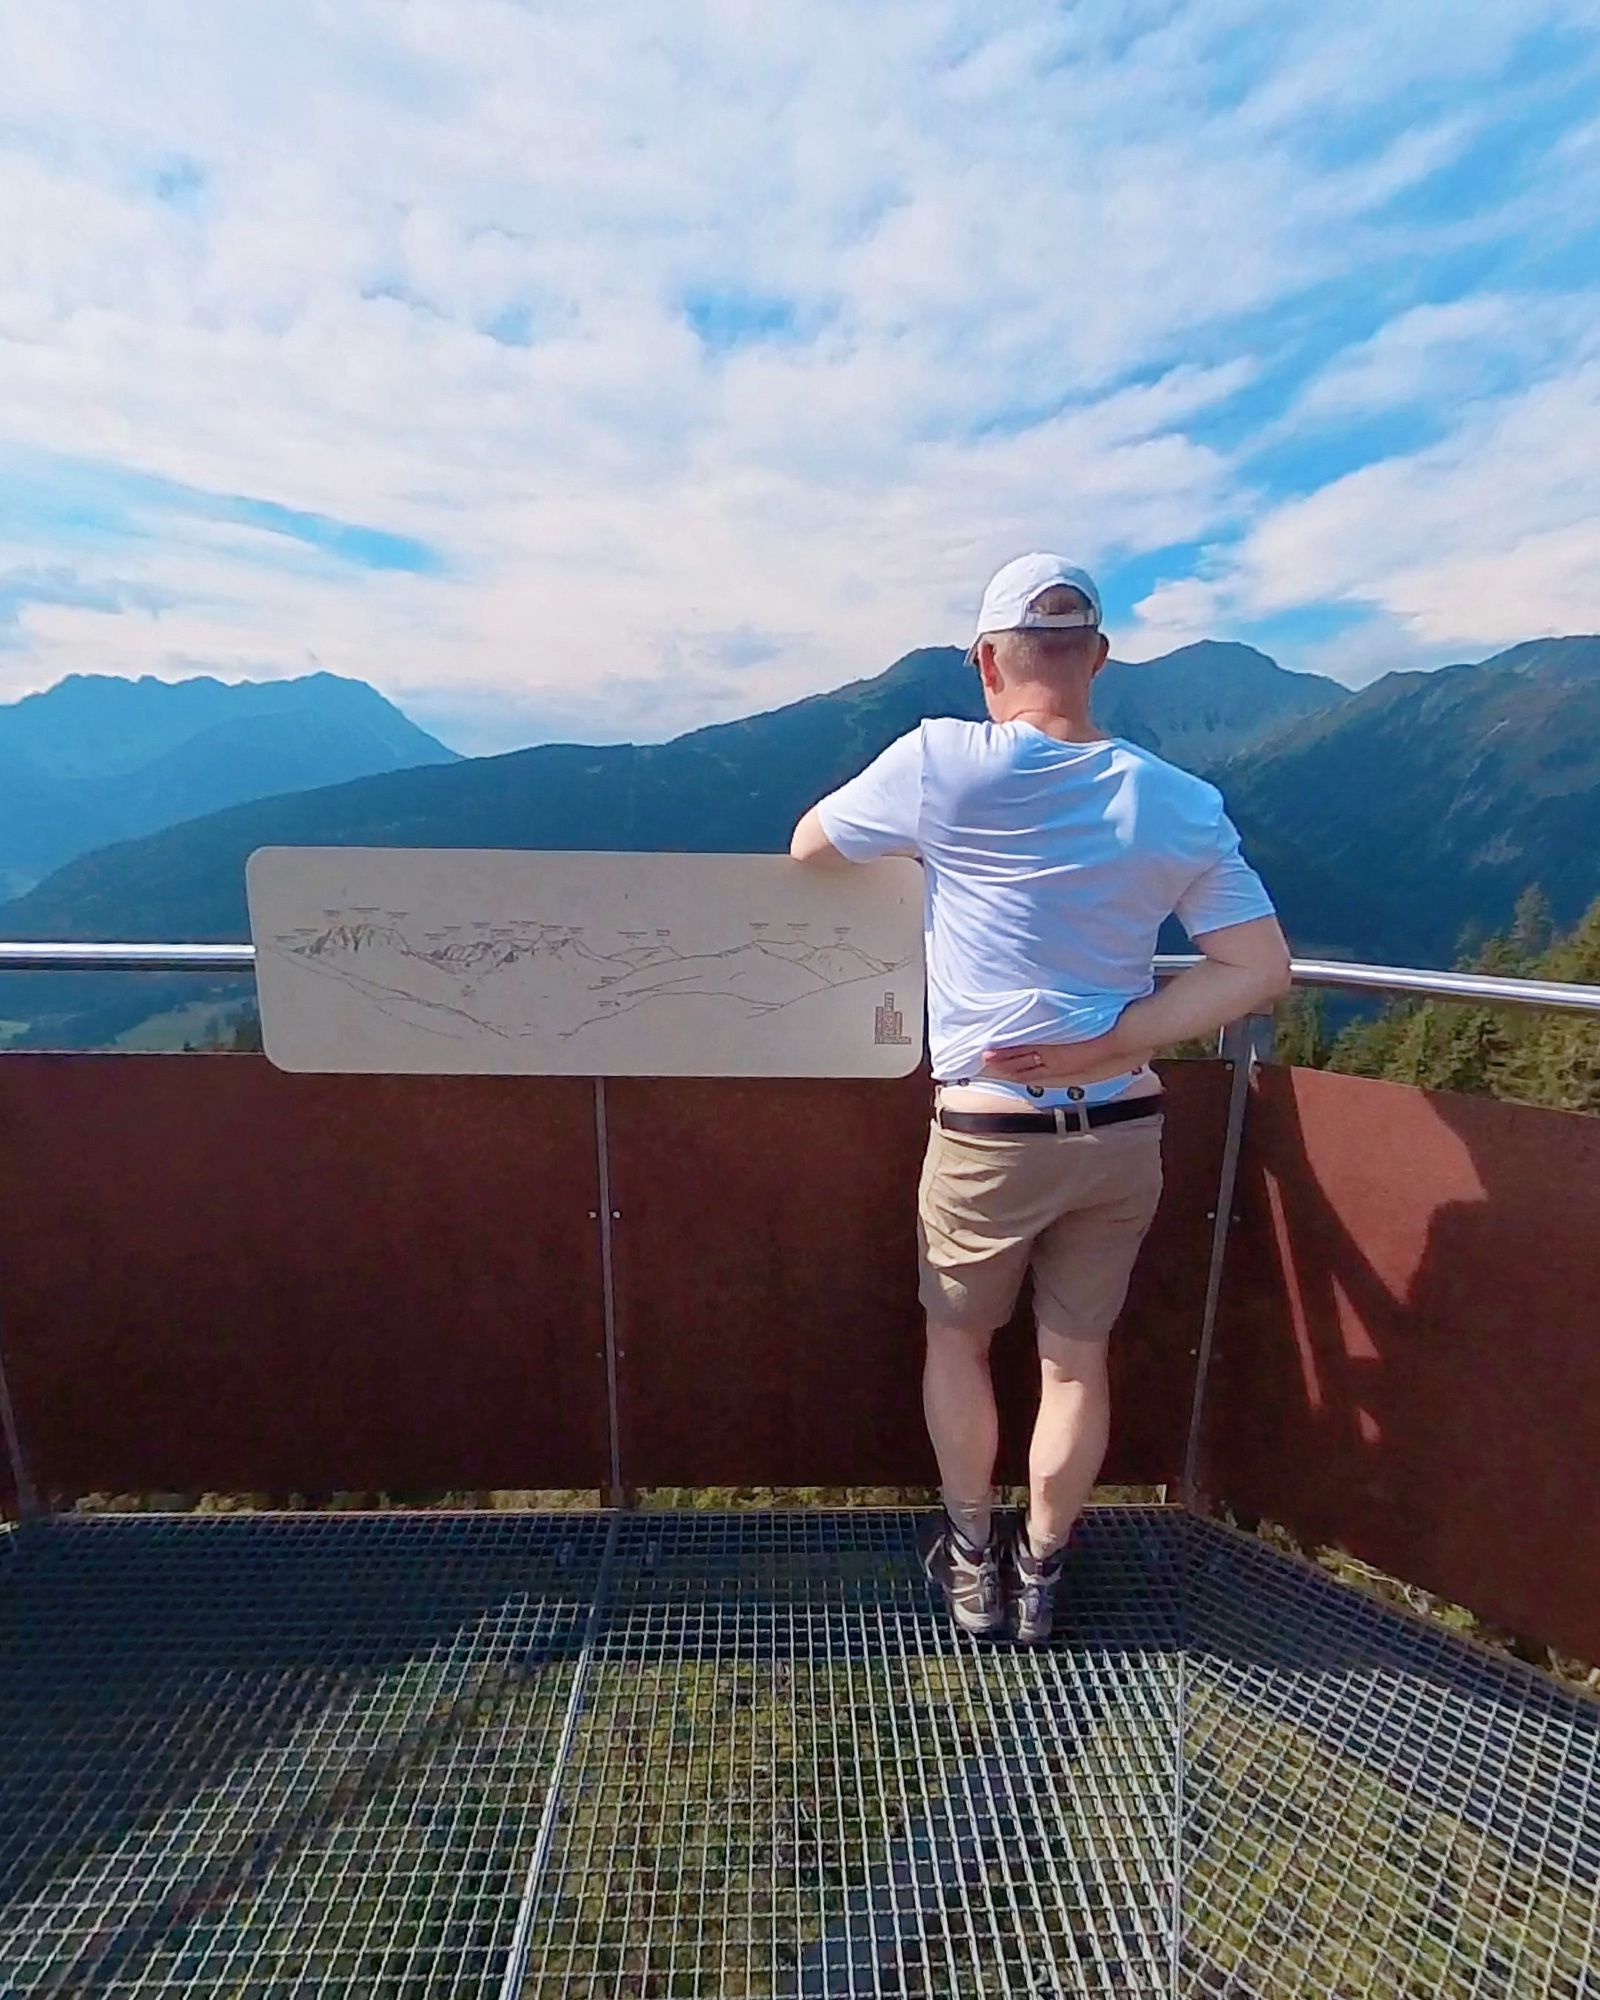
<point x="1046" y="1097"/>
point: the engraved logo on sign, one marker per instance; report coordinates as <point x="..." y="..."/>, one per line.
<point x="889" y="1025"/>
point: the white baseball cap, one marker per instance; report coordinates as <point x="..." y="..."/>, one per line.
<point x="1008" y="602"/>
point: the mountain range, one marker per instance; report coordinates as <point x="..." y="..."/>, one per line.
<point x="1387" y="822"/>
<point x="96" y="759"/>
<point x="737" y="786"/>
<point x="1416" y="811"/>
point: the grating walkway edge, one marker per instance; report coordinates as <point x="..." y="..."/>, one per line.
<point x="676" y="1755"/>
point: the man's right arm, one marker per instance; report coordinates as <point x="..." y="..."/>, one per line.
<point x="1242" y="968"/>
<point x="1244" y="961"/>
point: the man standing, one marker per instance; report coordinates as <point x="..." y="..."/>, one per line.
<point x="1052" y="855"/>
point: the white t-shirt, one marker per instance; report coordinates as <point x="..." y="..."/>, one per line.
<point x="1050" y="868"/>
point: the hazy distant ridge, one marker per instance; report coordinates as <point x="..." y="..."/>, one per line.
<point x="97" y="759"/>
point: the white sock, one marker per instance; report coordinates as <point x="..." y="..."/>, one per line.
<point x="971" y="1519"/>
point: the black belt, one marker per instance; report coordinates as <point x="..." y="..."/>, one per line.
<point x="1063" y="1118"/>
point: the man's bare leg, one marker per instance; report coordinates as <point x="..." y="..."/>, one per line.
<point x="958" y="1401"/>
<point x="1069" y="1436"/>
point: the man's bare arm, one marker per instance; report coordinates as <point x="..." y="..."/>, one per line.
<point x="811" y="845"/>
<point x="1241" y="969"/>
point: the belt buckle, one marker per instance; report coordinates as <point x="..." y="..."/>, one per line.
<point x="1080" y="1110"/>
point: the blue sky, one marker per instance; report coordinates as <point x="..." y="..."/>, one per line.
<point x="601" y="372"/>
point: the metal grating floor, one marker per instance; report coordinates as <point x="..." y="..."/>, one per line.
<point x="658" y="1756"/>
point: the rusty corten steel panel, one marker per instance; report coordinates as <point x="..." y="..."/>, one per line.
<point x="216" y="1277"/>
<point x="1408" y="1356"/>
<point x="766" y="1285"/>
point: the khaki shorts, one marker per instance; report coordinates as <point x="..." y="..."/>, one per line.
<point x="1075" y="1207"/>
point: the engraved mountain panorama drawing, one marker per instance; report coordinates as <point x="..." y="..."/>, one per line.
<point x="504" y="978"/>
<point x="597" y="964"/>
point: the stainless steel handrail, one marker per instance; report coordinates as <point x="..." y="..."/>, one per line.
<point x="127" y="957"/>
<point x="1485" y="989"/>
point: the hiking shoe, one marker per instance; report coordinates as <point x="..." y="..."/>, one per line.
<point x="1033" y="1590"/>
<point x="970" y="1583"/>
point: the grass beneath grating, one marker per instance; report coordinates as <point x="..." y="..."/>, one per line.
<point x="352" y="1859"/>
<point x="728" y="1830"/>
<point x="1310" y="1877"/>
<point x="805" y="1828"/>
<point x="534" y="1499"/>
<point x="755" y="1819"/>
<point x="1575" y="1675"/>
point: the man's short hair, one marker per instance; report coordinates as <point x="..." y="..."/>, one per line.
<point x="1045" y="650"/>
<point x="1060" y="599"/>
<point x="1042" y="647"/>
<point x="1021" y="596"/>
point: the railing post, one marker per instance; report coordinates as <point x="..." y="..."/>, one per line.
<point x="616" y="1493"/>
<point x="1243" y="1044"/>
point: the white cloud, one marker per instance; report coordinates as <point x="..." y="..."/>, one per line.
<point x="1175" y="613"/>
<point x="1438" y="355"/>
<point x="1490" y="536"/>
<point x="1376" y="644"/>
<point x="1028" y="253"/>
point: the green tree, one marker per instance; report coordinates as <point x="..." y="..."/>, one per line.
<point x="238" y="1035"/>
<point x="1556" y="1057"/>
<point x="1448" y="1048"/>
<point x="1532" y="1057"/>
<point x="1366" y="1048"/>
<point x="1532" y="926"/>
<point x="1301" y="1035"/>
